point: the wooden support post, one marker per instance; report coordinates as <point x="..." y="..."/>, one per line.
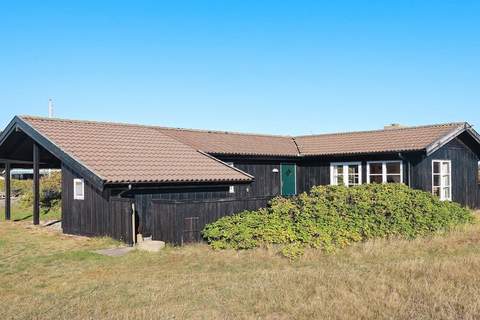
<point x="36" y="184"/>
<point x="7" y="192"/>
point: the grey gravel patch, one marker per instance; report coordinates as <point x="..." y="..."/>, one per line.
<point x="115" y="252"/>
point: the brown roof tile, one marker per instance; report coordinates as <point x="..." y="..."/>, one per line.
<point x="390" y="140"/>
<point x="121" y="153"/>
<point x="135" y="153"/>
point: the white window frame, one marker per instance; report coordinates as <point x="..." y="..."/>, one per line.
<point x="231" y="189"/>
<point x="478" y="172"/>
<point x="384" y="169"/>
<point x="345" y="165"/>
<point x="441" y="174"/>
<point x="75" y="195"/>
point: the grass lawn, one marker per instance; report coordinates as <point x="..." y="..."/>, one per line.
<point x="46" y="275"/>
<point x="25" y="214"/>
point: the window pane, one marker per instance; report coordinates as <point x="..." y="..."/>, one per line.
<point x="353" y="180"/>
<point x="353" y="169"/>
<point x="375" y="168"/>
<point x="78" y="188"/>
<point x="436" y="181"/>
<point x="436" y="167"/>
<point x="478" y="173"/>
<point x="446" y="181"/>
<point x="376" y="179"/>
<point x="339" y="169"/>
<point x="445" y="167"/>
<point x="446" y="193"/>
<point x="393" y="178"/>
<point x="436" y="191"/>
<point x="340" y="180"/>
<point x="393" y="168"/>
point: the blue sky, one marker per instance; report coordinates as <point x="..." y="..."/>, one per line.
<point x="281" y="67"/>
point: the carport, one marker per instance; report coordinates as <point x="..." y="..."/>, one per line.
<point x="19" y="151"/>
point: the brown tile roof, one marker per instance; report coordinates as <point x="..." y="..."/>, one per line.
<point x="390" y="140"/>
<point x="218" y="142"/>
<point x="122" y="153"/>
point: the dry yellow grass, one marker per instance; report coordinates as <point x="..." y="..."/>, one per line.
<point x="44" y="275"/>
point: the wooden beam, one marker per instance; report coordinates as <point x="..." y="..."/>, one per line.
<point x="7" y="192"/>
<point x="36" y="184"/>
<point x="11" y="161"/>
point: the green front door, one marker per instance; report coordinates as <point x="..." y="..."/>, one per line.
<point x="288" y="179"/>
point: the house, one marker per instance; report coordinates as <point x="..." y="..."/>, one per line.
<point x="121" y="180"/>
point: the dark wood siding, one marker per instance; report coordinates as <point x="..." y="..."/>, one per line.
<point x="465" y="189"/>
<point x="144" y="198"/>
<point x="316" y="172"/>
<point x="180" y="222"/>
<point x="266" y="185"/>
<point x="97" y="214"/>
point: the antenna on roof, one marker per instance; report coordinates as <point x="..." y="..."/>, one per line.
<point x="50" y="108"/>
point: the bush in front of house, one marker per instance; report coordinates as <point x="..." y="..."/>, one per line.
<point x="332" y="217"/>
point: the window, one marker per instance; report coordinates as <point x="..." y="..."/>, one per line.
<point x="348" y="173"/>
<point x="478" y="173"/>
<point x="384" y="172"/>
<point x="442" y="179"/>
<point x="78" y="189"/>
<point x="231" y="189"/>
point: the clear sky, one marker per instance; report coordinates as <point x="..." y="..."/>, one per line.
<point x="282" y="67"/>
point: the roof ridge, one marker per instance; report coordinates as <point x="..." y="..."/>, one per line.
<point x="448" y="124"/>
<point x="154" y="126"/>
<point x="226" y="132"/>
<point x="241" y="133"/>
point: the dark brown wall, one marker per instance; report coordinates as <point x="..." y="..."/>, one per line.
<point x="465" y="189"/>
<point x="97" y="214"/>
<point x="266" y="185"/>
<point x="182" y="222"/>
<point x="316" y="172"/>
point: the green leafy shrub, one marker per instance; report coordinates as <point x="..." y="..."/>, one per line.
<point x="332" y="217"/>
<point x="50" y="191"/>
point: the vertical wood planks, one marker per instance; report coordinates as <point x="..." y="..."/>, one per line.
<point x="179" y="222"/>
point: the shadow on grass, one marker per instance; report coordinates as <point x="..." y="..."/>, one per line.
<point x="23" y="218"/>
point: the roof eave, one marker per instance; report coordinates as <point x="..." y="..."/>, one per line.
<point x="177" y="182"/>
<point x="360" y="153"/>
<point x="439" y="143"/>
<point x="70" y="161"/>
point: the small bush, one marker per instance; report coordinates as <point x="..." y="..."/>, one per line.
<point x="332" y="217"/>
<point x="50" y="191"/>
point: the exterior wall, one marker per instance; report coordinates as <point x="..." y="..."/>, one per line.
<point x="465" y="189"/>
<point x="265" y="186"/>
<point x="316" y="171"/>
<point x="144" y="198"/>
<point x="97" y="215"/>
<point x="267" y="182"/>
